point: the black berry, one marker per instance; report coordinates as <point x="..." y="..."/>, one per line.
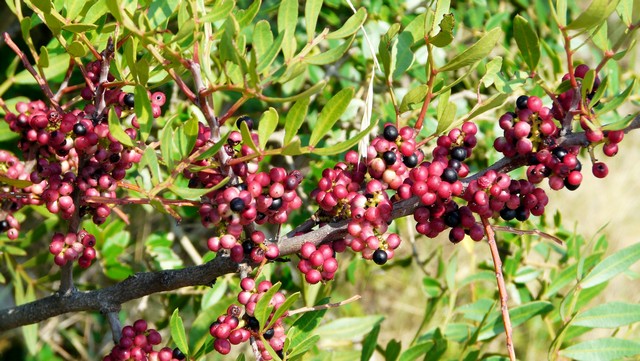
<point x="459" y="153"/>
<point x="410" y="161"/>
<point x="253" y="323"/>
<point x="570" y="186"/>
<point x="128" y="100"/>
<point x="452" y="219"/>
<point x="380" y="257"/>
<point x="389" y="157"/>
<point x="559" y="152"/>
<point x="508" y="214"/>
<point x="237" y="205"/>
<point x="4" y="225"/>
<point x="245" y="119"/>
<point x="522" y="214"/>
<point x="268" y="334"/>
<point x="177" y="354"/>
<point x="79" y="129"/>
<point x="450" y="175"/>
<point x="247" y="246"/>
<point x="521" y="102"/>
<point x="455" y="164"/>
<point x="390" y="133"/>
<point x="276" y="204"/>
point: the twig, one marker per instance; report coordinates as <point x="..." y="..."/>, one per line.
<point x="107" y="55"/>
<point x="39" y="79"/>
<point x="502" y="289"/>
<point x="114" y="322"/>
<point x="528" y="231"/>
<point x="326" y="306"/>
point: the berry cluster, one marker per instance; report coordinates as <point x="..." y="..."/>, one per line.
<point x="254" y="247"/>
<point x="72" y="246"/>
<point x="237" y="326"/>
<point x="528" y="129"/>
<point x="137" y="342"/>
<point x="567" y="100"/>
<point x="317" y="264"/>
<point x="560" y="165"/>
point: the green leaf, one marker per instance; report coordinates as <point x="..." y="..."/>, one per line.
<point x="414" y="96"/>
<point x="415" y="351"/>
<point x="316" y="88"/>
<point x="262" y="38"/>
<point x="270" y="55"/>
<point x="625" y="10"/>
<point x="177" y="332"/>
<point x="219" y="11"/>
<point x="350" y="26"/>
<point x="602" y="349"/>
<point x="300" y="348"/>
<point x="527" y="41"/>
<point x="287" y="20"/>
<point x="387" y="50"/>
<point x="116" y="129"/>
<point x="597" y="12"/>
<point x="79" y="28"/>
<point x="143" y="110"/>
<point x="392" y="351"/>
<point x="286" y="305"/>
<point x="245" y="17"/>
<point x="166" y="144"/>
<point x="445" y="36"/>
<point x="294" y="148"/>
<point x="311" y="13"/>
<point x="160" y="11"/>
<point x="214" y="149"/>
<point x="77" y="49"/>
<point x="194" y="194"/>
<point x="150" y="160"/>
<point x="347" y="144"/>
<point x="609" y="315"/>
<point x="519" y="315"/>
<point x="612" y="266"/>
<point x="58" y="65"/>
<point x="495" y="101"/>
<point x="369" y="344"/>
<point x="17" y="183"/>
<point x="331" y="55"/>
<point x="246" y="136"/>
<point x="617" y="100"/>
<point x="295" y="117"/>
<point x="475" y="52"/>
<point x="263" y="310"/>
<point x="266" y="126"/>
<point x="330" y="114"/>
<point x="187" y="135"/>
<point x="447" y="116"/>
<point x="348" y="328"/>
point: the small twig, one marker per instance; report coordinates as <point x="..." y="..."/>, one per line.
<point x="528" y="231"/>
<point x="107" y="55"/>
<point x="325" y="306"/>
<point x="114" y="322"/>
<point x="39" y="79"/>
<point x="65" y="82"/>
<point x="254" y="347"/>
<point x="502" y="289"/>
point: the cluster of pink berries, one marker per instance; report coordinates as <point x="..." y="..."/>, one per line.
<point x="72" y="246"/>
<point x="566" y="99"/>
<point x="137" y="342"/>
<point x="254" y="247"/>
<point x="236" y="326"/>
<point x="317" y="264"/>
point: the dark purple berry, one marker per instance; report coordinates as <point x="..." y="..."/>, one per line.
<point x="450" y="175"/>
<point x="268" y="334"/>
<point x="4" y="225"/>
<point x="247" y="246"/>
<point x="570" y="186"/>
<point x="508" y="214"/>
<point x="276" y="204"/>
<point x="452" y="219"/>
<point x="459" y="153"/>
<point x="237" y="205"/>
<point x="455" y="164"/>
<point x="410" y="161"/>
<point x="389" y="157"/>
<point x="253" y="323"/>
<point x="380" y="257"/>
<point x="559" y="152"/>
<point x="245" y="119"/>
<point x="177" y="354"/>
<point x="79" y="129"/>
<point x="390" y="133"/>
<point x="128" y="100"/>
<point x="521" y="102"/>
<point x="522" y="214"/>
